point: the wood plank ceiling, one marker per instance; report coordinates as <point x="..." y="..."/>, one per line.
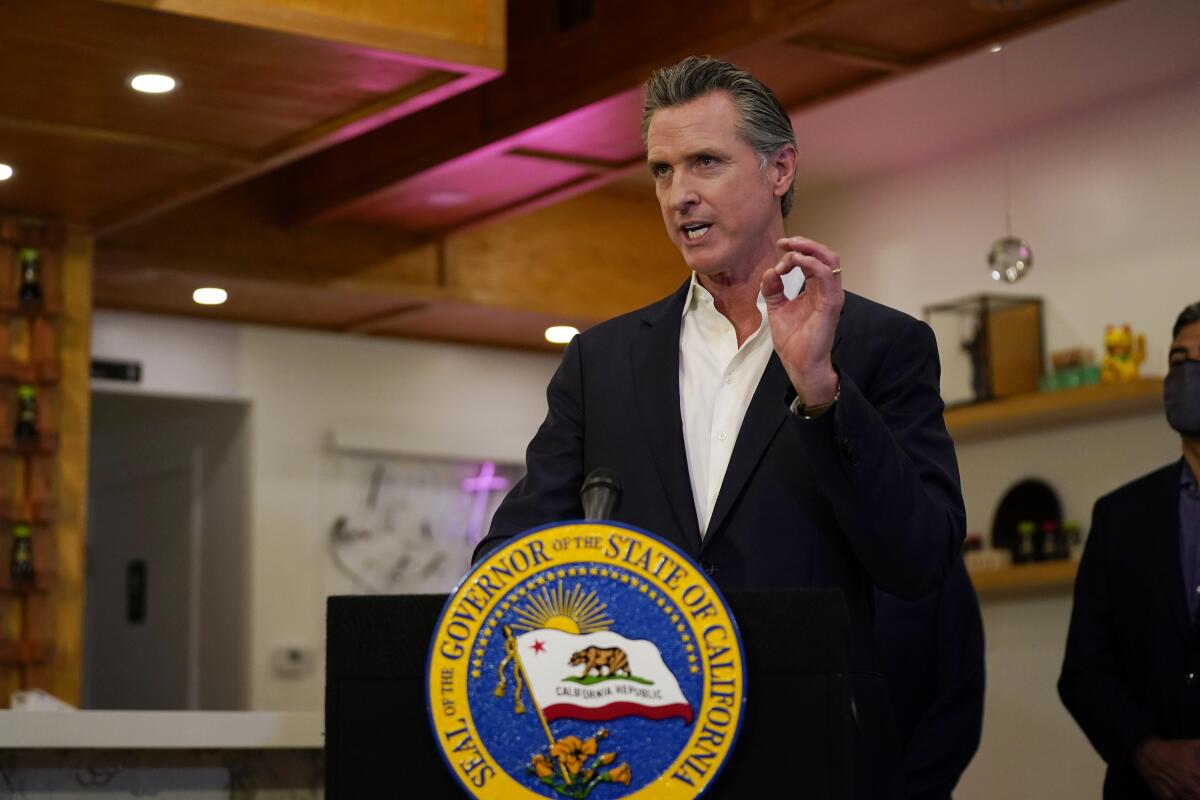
<point x="340" y="171"/>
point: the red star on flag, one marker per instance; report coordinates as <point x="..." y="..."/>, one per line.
<point x="539" y="647"/>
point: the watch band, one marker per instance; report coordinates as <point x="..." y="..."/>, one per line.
<point x="812" y="412"/>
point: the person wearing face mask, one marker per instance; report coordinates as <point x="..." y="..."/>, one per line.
<point x="1131" y="674"/>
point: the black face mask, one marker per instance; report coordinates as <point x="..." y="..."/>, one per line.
<point x="1181" y="396"/>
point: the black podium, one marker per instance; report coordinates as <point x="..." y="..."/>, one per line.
<point x="795" y="741"/>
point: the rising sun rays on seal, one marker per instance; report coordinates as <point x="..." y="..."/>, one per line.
<point x="555" y="607"/>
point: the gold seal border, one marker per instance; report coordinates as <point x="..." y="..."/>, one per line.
<point x="666" y="570"/>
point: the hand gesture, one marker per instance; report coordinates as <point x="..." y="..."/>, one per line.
<point x="803" y="328"/>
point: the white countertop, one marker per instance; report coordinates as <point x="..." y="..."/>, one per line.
<point x="163" y="730"/>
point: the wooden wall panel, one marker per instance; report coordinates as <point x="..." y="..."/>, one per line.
<point x="65" y="671"/>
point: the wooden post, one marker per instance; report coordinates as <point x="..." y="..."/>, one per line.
<point x="65" y="669"/>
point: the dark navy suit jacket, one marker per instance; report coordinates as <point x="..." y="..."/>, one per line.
<point x="1132" y="665"/>
<point x="865" y="495"/>
<point x="932" y="655"/>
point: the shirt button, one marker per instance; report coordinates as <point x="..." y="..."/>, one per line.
<point x="729" y="380"/>
<point x="722" y="436"/>
<point x="1191" y="678"/>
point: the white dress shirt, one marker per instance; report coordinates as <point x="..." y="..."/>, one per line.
<point x="716" y="381"/>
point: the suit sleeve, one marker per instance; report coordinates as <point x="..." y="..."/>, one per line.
<point x="948" y="733"/>
<point x="549" y="492"/>
<point x="1091" y="686"/>
<point x="886" y="463"/>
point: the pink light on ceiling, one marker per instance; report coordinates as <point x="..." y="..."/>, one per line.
<point x="608" y="130"/>
<point x="483" y="181"/>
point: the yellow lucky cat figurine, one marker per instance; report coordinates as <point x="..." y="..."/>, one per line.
<point x="1124" y="354"/>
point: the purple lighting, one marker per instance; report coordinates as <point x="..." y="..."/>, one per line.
<point x="482" y="486"/>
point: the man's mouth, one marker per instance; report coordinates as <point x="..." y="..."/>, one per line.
<point x="697" y="231"/>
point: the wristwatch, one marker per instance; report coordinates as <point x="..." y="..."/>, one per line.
<point x="812" y="412"/>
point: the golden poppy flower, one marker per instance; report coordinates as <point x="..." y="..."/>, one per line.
<point x="619" y="774"/>
<point x="607" y="758"/>
<point x="541" y="766"/>
<point x="571" y="752"/>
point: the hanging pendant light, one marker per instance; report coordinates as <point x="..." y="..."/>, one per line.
<point x="1011" y="257"/>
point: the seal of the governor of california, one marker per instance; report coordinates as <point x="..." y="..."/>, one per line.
<point x="586" y="660"/>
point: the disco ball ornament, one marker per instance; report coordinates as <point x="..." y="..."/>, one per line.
<point x="1010" y="259"/>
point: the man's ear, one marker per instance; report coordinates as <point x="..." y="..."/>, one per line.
<point x="783" y="169"/>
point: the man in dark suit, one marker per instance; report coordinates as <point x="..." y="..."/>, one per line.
<point x="783" y="438"/>
<point x="931" y="652"/>
<point x="1131" y="675"/>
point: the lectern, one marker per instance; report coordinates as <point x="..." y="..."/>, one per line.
<point x="796" y="739"/>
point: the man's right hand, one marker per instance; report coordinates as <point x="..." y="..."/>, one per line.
<point x="1171" y="768"/>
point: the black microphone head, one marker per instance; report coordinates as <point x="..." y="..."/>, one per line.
<point x="601" y="476"/>
<point x="600" y="493"/>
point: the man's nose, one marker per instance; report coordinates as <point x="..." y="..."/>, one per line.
<point x="683" y="195"/>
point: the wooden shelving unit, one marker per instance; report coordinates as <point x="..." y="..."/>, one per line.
<point x="1045" y="411"/>
<point x="1046" y="577"/>
<point x="1054" y="409"/>
<point x="29" y="358"/>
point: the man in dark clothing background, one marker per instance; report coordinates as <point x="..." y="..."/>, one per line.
<point x="1131" y="675"/>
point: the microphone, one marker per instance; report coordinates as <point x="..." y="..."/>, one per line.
<point x="600" y="494"/>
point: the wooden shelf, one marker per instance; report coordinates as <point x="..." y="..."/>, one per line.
<point x="1046" y="577"/>
<point x="1054" y="409"/>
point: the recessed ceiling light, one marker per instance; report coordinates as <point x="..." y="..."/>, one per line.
<point x="447" y="199"/>
<point x="152" y="83"/>
<point x="996" y="48"/>
<point x="6" y="172"/>
<point x="561" y="334"/>
<point x="210" y="296"/>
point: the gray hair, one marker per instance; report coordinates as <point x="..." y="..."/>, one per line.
<point x="763" y="122"/>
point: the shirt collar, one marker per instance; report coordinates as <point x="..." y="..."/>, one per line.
<point x="1187" y="481"/>
<point x="792" y="283"/>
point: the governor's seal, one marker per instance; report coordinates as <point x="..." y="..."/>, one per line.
<point x="586" y="660"/>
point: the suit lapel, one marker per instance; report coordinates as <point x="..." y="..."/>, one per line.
<point x="764" y="417"/>
<point x="1163" y="515"/>
<point x="655" y="361"/>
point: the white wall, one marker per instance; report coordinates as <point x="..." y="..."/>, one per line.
<point x="304" y="383"/>
<point x="1108" y="198"/>
<point x="300" y="386"/>
<point x="186" y="357"/>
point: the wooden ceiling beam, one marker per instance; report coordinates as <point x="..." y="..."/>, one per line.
<point x="551" y="196"/>
<point x="856" y="54"/>
<point x="422" y="93"/>
<point x="550" y="73"/>
<point x="591" y="164"/>
<point x="468" y="33"/>
<point x="199" y="150"/>
<point x="374" y="322"/>
<point x="952" y="53"/>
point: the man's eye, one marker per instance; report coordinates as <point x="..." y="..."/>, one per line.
<point x="706" y="161"/>
<point x="660" y="170"/>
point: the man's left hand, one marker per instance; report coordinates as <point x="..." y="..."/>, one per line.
<point x="803" y="328"/>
